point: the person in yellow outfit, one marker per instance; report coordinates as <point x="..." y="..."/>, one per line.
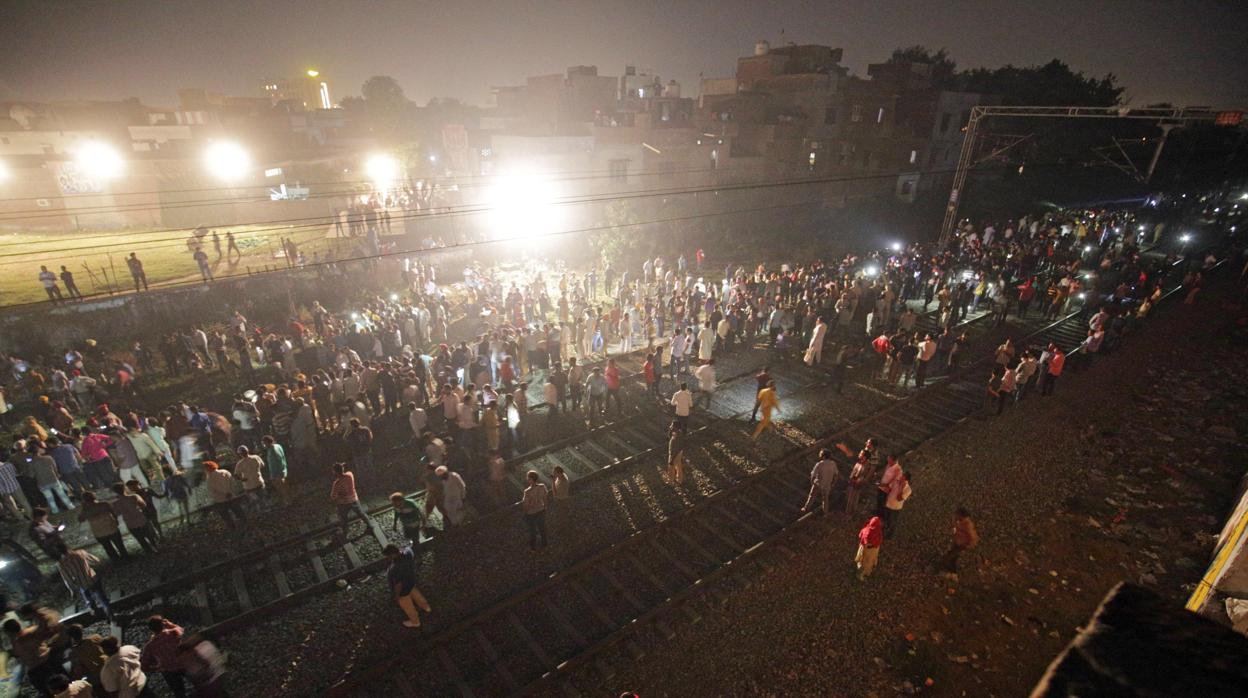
<point x="767" y="401"/>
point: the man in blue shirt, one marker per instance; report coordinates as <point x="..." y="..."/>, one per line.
<point x="402" y="580"/>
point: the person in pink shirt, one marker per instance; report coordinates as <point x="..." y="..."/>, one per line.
<point x="98" y="465"/>
<point x="612" y="374"/>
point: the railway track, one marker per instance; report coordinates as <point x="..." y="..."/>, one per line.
<point x="552" y="636"/>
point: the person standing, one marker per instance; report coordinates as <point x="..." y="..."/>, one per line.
<point x="11" y="493"/>
<point x="706" y="342"/>
<point x="651" y="373"/>
<point x="814" y="351"/>
<point x="136" y="271"/>
<point x="612" y="376"/>
<point x="822" y="480"/>
<point x="870" y="539"/>
<point x="676" y="453"/>
<point x="927" y="351"/>
<point x="407" y="512"/>
<point x="678" y="347"/>
<point x="77" y="568"/>
<point x="249" y="470"/>
<point x="131" y="509"/>
<point x="48" y="279"/>
<point x="767" y="402"/>
<point x="160" y="653"/>
<point x="596" y="389"/>
<point x="122" y="674"/>
<point x="104" y="526"/>
<point x="533" y="504"/>
<point x="682" y="401"/>
<point x="275" y="467"/>
<point x="898" y="494"/>
<point x="342" y="494"/>
<point x="859" y="476"/>
<point x="359" y="441"/>
<point x="401" y="578"/>
<point x="965" y="537"/>
<point x="71" y="287"/>
<point x="560" y="486"/>
<point x="892" y="471"/>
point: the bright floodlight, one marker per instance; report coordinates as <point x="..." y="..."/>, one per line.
<point x="382" y="169"/>
<point x="524" y="205"/>
<point x="313" y="73"/>
<point x="896" y="247"/>
<point x="228" y="161"/>
<point x="1185" y="237"/>
<point x="99" y="159"/>
<point x="870" y="271"/>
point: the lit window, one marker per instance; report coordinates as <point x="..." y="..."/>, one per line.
<point x="914" y="156"/>
<point x="879" y="116"/>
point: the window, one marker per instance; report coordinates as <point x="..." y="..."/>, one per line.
<point x="879" y="116"/>
<point x="813" y="157"/>
<point x="944" y="122"/>
<point x="906" y="187"/>
<point x="618" y="170"/>
<point x="829" y="117"/>
<point x="914" y="156"/>
<point x="855" y="113"/>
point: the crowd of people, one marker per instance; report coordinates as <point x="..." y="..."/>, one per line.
<point x="309" y="398"/>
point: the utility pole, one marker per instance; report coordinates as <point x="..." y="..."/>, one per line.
<point x="1152" y="165"/>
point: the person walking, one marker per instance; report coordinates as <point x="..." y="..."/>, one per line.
<point x="249" y="470"/>
<point x="221" y="491"/>
<point x="965" y="537"/>
<point x="822" y="480"/>
<point x="1053" y="369"/>
<point x="706" y="383"/>
<point x="401" y="578"/>
<point x="454" y="495"/>
<point x="859" y="476"/>
<point x="342" y="493"/>
<point x="767" y="402"/>
<point x="676" y="453"/>
<point x="533" y="504"/>
<point x="870" y="539"/>
<point x="131" y="509"/>
<point x="275" y="468"/>
<point x="160" y="654"/>
<point x="77" y="568"/>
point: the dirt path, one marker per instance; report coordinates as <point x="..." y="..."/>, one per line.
<point x="1125" y="474"/>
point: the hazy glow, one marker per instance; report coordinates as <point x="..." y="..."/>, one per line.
<point x="4" y="171"/>
<point x="100" y="160"/>
<point x="313" y="73"/>
<point x="382" y="169"/>
<point x="524" y="205"/>
<point x="227" y="161"/>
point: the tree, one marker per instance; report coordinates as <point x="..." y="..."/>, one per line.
<point x="388" y="109"/>
<point x="618" y="239"/>
<point x="943" y="67"/>
<point x="1051" y="84"/>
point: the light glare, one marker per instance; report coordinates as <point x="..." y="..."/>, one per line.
<point x="227" y="161"/>
<point x="382" y="169"/>
<point x="100" y="160"/>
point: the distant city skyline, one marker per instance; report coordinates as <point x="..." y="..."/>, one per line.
<point x="1187" y="53"/>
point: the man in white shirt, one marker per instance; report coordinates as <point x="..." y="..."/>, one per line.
<point x="416" y="419"/>
<point x="682" y="400"/>
<point x="678" y="353"/>
<point x="706" y="381"/>
<point x="898" y="495"/>
<point x="822" y="479"/>
<point x="121" y="674"/>
<point x="927" y="350"/>
<point x="814" y="352"/>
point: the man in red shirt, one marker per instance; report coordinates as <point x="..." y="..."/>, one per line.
<point x="612" y="374"/>
<point x="1057" y="361"/>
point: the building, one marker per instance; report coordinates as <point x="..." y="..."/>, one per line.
<point x="308" y="91"/>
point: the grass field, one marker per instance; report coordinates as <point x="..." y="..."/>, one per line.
<point x="165" y="256"/>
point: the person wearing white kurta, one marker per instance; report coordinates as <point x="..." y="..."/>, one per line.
<point x="454" y="492"/>
<point x="814" y="352"/>
<point x="706" y="342"/>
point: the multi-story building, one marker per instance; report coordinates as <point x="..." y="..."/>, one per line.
<point x="309" y="90"/>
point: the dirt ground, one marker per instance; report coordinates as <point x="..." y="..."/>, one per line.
<point x="1125" y="474"/>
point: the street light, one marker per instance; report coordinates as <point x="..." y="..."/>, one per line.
<point x="382" y="169"/>
<point x="313" y="73"/>
<point x="227" y="160"/>
<point x="99" y="159"/>
<point x="870" y="271"/>
<point x="896" y="247"/>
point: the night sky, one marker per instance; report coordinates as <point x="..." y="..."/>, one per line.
<point x="1188" y="53"/>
